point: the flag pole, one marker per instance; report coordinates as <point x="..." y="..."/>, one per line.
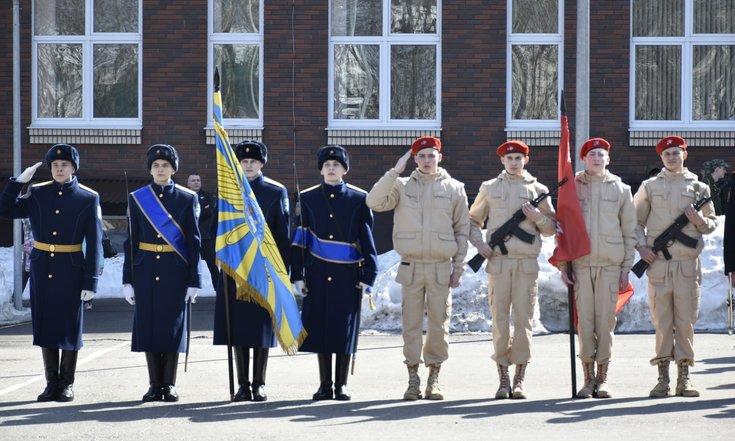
<point x="572" y="350"/>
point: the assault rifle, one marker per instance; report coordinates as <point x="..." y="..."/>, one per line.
<point x="669" y="236"/>
<point x="511" y="228"/>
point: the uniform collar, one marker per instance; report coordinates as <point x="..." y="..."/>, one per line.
<point x="74" y="183"/>
<point x="338" y="189"/>
<point x="257" y="180"/>
<point x="168" y="188"/>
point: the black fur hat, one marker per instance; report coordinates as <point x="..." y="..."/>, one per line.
<point x="252" y="149"/>
<point x="165" y="152"/>
<point x="64" y="152"/>
<point x="333" y="151"/>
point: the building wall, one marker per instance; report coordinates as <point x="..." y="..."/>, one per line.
<point x="473" y="97"/>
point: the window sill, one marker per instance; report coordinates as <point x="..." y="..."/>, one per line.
<point x="694" y="138"/>
<point x="535" y="138"/>
<point x="236" y="135"/>
<point x="57" y="135"/>
<point x="368" y="137"/>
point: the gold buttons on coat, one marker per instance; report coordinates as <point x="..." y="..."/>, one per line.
<point x="50" y="276"/>
<point x="329" y="279"/>
<point x="158" y="256"/>
<point x="58" y="211"/>
<point x="331" y="215"/>
<point x="159" y="248"/>
<point x="157" y="278"/>
<point x="60" y="193"/>
<point x="160" y="195"/>
<point x="331" y="195"/>
<point x="331" y="237"/>
<point x="53" y="233"/>
<point x="52" y="248"/>
<point x="158" y="236"/>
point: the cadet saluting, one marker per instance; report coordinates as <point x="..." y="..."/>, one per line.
<point x="63" y="214"/>
<point x="161" y="269"/>
<point x="252" y="326"/>
<point x="333" y="249"/>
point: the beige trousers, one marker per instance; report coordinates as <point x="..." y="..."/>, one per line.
<point x="425" y="285"/>
<point x="512" y="286"/>
<point x="673" y="300"/>
<point x="596" y="294"/>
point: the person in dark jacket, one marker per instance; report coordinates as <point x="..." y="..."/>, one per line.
<point x="713" y="174"/>
<point x="251" y="324"/>
<point x="207" y="217"/>
<point x="63" y="214"/>
<point x="161" y="269"/>
<point x="333" y="263"/>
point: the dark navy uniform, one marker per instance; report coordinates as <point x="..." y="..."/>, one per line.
<point x="330" y="310"/>
<point x="161" y="278"/>
<point x="252" y="326"/>
<point x="60" y="215"/>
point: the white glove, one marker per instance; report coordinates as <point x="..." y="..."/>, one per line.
<point x="87" y="295"/>
<point x="366" y="289"/>
<point x="129" y="293"/>
<point x="300" y="286"/>
<point x="191" y="294"/>
<point x="28" y="173"/>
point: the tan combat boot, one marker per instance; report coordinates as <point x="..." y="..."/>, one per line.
<point x="432" y="383"/>
<point x="414" y="384"/>
<point x="589" y="381"/>
<point x="519" y="385"/>
<point x="684" y="387"/>
<point x="504" y="388"/>
<point x="603" y="391"/>
<point x="662" y="388"/>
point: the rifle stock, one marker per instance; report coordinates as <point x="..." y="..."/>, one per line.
<point x="511" y="228"/>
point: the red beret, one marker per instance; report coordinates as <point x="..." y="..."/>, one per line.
<point x="594" y="143"/>
<point x="670" y="141"/>
<point x="426" y="142"/>
<point x="512" y="147"/>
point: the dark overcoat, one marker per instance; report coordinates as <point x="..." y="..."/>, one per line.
<point x="252" y="326"/>
<point x="336" y="215"/>
<point x="160" y="279"/>
<point x="60" y="214"/>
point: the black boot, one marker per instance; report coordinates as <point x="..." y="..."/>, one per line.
<point x="260" y="363"/>
<point x="51" y="370"/>
<point x="342" y="369"/>
<point x="67" y="369"/>
<point x="154" y="361"/>
<point x="170" y="364"/>
<point x="242" y="361"/>
<point x="325" y="391"/>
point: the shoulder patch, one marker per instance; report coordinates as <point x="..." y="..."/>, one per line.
<point x="311" y="188"/>
<point x="87" y="188"/>
<point x="273" y="182"/>
<point x="356" y="188"/>
<point x="41" y="184"/>
<point x="182" y="188"/>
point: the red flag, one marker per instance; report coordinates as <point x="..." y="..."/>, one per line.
<point x="623" y="297"/>
<point x="572" y="240"/>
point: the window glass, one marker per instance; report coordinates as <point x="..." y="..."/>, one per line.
<point x="535" y="16"/>
<point x="239" y="66"/>
<point x="60" y="80"/>
<point x="116" y="15"/>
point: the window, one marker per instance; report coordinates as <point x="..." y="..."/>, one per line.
<point x="683" y="58"/>
<point x="534" y="59"/>
<point x="236" y="48"/>
<point x="384" y="64"/>
<point x="86" y="63"/>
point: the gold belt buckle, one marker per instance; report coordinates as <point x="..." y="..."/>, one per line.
<point x="159" y="248"/>
<point x="52" y="248"/>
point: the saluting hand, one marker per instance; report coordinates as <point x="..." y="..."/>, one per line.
<point x="400" y="166"/>
<point x="28" y="173"/>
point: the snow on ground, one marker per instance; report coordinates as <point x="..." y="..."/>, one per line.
<point x="470" y="311"/>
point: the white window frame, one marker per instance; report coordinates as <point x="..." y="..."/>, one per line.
<point x="388" y="39"/>
<point x="687" y="43"/>
<point x="234" y="38"/>
<point x="88" y="41"/>
<point x="532" y="39"/>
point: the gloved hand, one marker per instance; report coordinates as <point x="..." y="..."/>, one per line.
<point x="367" y="290"/>
<point x="300" y="286"/>
<point x="28" y="173"/>
<point x="129" y="293"/>
<point x="87" y="295"/>
<point x="191" y="295"/>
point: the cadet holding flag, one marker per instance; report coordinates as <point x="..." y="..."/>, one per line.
<point x="609" y="215"/>
<point x="63" y="214"/>
<point x="333" y="263"/>
<point x="252" y="326"/>
<point x="512" y="277"/>
<point x="673" y="284"/>
<point x="161" y="269"/>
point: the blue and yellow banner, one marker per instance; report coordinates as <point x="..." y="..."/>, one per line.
<point x="246" y="250"/>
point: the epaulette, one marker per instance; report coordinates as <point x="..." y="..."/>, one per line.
<point x="185" y="189"/>
<point x="272" y="182"/>
<point x="41" y="184"/>
<point x="84" y="187"/>
<point x="356" y="188"/>
<point x="311" y="188"/>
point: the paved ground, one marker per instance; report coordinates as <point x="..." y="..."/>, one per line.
<point x="111" y="380"/>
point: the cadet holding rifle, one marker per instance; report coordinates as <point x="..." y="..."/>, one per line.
<point x="673" y="284"/>
<point x="512" y="276"/>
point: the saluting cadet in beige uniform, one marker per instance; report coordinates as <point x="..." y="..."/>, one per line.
<point x="609" y="214"/>
<point x="512" y="278"/>
<point x="430" y="230"/>
<point x="673" y="285"/>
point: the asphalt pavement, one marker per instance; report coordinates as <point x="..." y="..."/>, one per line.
<point x="111" y="380"/>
